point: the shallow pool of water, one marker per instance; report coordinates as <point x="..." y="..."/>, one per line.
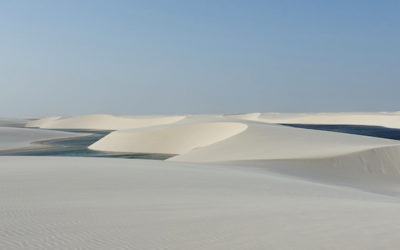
<point x="78" y="146"/>
<point x="374" y="131"/>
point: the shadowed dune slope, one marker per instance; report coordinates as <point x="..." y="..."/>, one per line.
<point x="246" y="116"/>
<point x="373" y="170"/>
<point x="91" y="203"/>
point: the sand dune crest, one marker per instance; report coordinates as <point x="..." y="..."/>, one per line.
<point x="103" y="122"/>
<point x="169" y="140"/>
<point x="385" y="119"/>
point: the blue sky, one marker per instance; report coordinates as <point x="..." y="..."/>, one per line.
<point x="175" y="57"/>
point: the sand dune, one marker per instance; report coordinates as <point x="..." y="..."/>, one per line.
<point x="321" y="156"/>
<point x="385" y="119"/>
<point x="234" y="178"/>
<point x="269" y="142"/>
<point x="83" y="203"/>
<point x="248" y="116"/>
<point x="102" y="122"/>
<point x="42" y="123"/>
<point x="176" y="139"/>
<point x="236" y="182"/>
<point x="372" y="170"/>
<point x="208" y="139"/>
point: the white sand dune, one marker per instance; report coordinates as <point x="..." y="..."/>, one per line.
<point x="42" y="123"/>
<point x="224" y="140"/>
<point x="363" y="162"/>
<point x="326" y="157"/>
<point x="271" y="142"/>
<point x="102" y="122"/>
<point x="16" y="138"/>
<point x="385" y="119"/>
<point x="373" y="170"/>
<point x="237" y="182"/>
<point x="176" y="139"/>
<point x="246" y="116"/>
<point x="83" y="203"/>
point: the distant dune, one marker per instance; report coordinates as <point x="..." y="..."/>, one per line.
<point x="385" y="119"/>
<point x="102" y="122"/>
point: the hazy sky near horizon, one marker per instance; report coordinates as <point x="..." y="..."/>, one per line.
<point x="175" y="57"/>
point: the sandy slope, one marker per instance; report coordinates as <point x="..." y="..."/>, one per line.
<point x="385" y="119"/>
<point x="224" y="139"/>
<point x="320" y="156"/>
<point x="102" y="122"/>
<point x="270" y="142"/>
<point x="43" y="123"/>
<point x="176" y="139"/>
<point x="82" y="203"/>
<point x="13" y="138"/>
<point x="374" y="170"/>
<point x="238" y="182"/>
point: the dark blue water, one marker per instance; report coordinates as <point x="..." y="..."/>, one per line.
<point x="78" y="146"/>
<point x="375" y="131"/>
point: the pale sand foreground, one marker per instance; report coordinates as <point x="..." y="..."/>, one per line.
<point x="237" y="182"/>
<point x="82" y="203"/>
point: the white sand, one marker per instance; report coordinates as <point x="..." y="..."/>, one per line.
<point x="42" y="123"/>
<point x="176" y="139"/>
<point x="326" y="157"/>
<point x="271" y="142"/>
<point x="385" y="119"/>
<point x="236" y="183"/>
<point x="221" y="139"/>
<point x="102" y="122"/>
<point x="78" y="203"/>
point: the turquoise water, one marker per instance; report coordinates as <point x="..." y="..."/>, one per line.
<point x="78" y="146"/>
